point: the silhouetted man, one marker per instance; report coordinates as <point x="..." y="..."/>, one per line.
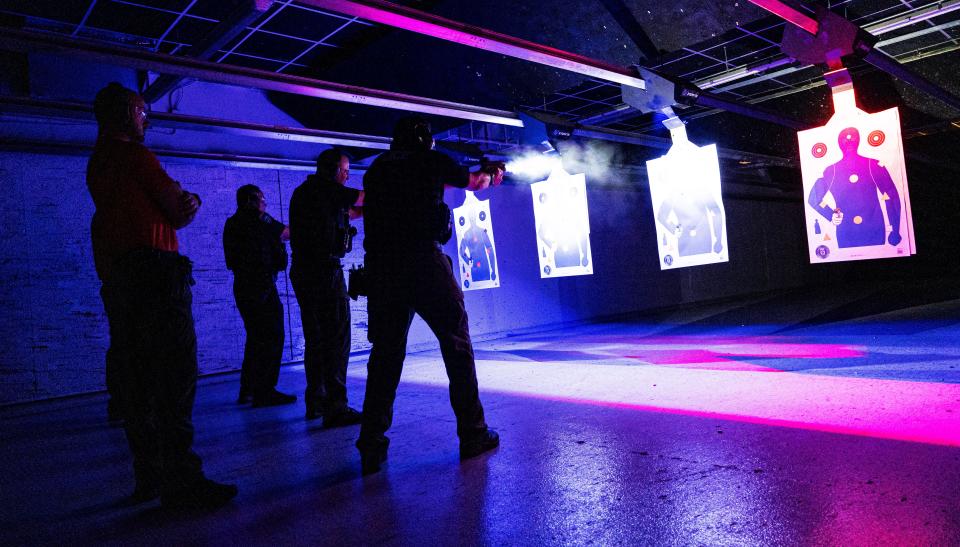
<point x="320" y="212"/>
<point x="405" y="220"/>
<point x="254" y="251"/>
<point x="147" y="297"/>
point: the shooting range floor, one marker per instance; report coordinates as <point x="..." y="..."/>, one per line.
<point x="816" y="423"/>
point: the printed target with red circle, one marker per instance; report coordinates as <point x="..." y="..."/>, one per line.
<point x="819" y="150"/>
<point x="876" y="138"/>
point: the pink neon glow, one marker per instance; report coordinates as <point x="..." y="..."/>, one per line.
<point x="428" y="24"/>
<point x="702" y="378"/>
<point x="789" y="14"/>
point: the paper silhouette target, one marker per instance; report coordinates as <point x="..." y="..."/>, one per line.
<point x="687" y="205"/>
<point x="855" y="185"/>
<point x="562" y="222"/>
<point x="476" y="250"/>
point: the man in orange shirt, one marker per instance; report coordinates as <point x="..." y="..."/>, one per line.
<point x="147" y="298"/>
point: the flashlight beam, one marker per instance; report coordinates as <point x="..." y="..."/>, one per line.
<point x="387" y="13"/>
<point x="17" y="40"/>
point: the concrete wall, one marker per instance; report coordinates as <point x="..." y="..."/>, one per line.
<point x="54" y="333"/>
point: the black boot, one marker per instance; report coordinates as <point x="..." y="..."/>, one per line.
<point x="372" y="455"/>
<point x="487" y="441"/>
<point x="273" y="398"/>
<point x="342" y="418"/>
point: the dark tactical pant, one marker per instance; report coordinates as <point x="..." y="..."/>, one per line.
<point x="325" y="316"/>
<point x="262" y="315"/>
<point x="152" y="329"/>
<point x="420" y="283"/>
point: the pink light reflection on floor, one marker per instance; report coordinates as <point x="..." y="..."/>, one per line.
<point x="711" y="384"/>
<point x="723" y="353"/>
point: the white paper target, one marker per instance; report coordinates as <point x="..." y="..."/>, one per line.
<point x="476" y="249"/>
<point x="857" y="202"/>
<point x="687" y="206"/>
<point x="562" y="222"/>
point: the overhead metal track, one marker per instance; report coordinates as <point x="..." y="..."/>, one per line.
<point x="739" y="74"/>
<point x="425" y="23"/>
<point x="829" y="28"/>
<point x="47" y="147"/>
<point x="18" y="40"/>
<point x="202" y="123"/>
<point x="402" y="17"/>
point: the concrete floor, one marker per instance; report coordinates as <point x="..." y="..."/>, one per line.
<point x="820" y="423"/>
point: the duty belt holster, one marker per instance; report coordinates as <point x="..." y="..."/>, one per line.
<point x="357" y="282"/>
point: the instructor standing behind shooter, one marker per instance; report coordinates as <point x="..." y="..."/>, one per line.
<point x="147" y="297"/>
<point x="405" y="222"/>
<point x="254" y="250"/>
<point x="320" y="235"/>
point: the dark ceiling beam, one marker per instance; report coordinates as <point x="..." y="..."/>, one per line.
<point x="622" y="15"/>
<point x="235" y="23"/>
<point x="421" y="22"/>
<point x="16" y="40"/>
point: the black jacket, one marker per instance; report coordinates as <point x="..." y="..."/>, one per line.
<point x="252" y="245"/>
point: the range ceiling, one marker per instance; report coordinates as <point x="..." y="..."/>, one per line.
<point x="730" y="48"/>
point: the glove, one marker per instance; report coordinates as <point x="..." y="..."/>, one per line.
<point x="493" y="168"/>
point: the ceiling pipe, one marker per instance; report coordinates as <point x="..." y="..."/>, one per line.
<point x="26" y="41"/>
<point x="202" y="123"/>
<point x="405" y="18"/>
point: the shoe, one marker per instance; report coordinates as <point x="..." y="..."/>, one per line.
<point x="372" y="456"/>
<point x="488" y="441"/>
<point x="203" y="494"/>
<point x="371" y="460"/>
<point x="144" y="493"/>
<point x="244" y="396"/>
<point x="273" y="398"/>
<point x="345" y="417"/>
